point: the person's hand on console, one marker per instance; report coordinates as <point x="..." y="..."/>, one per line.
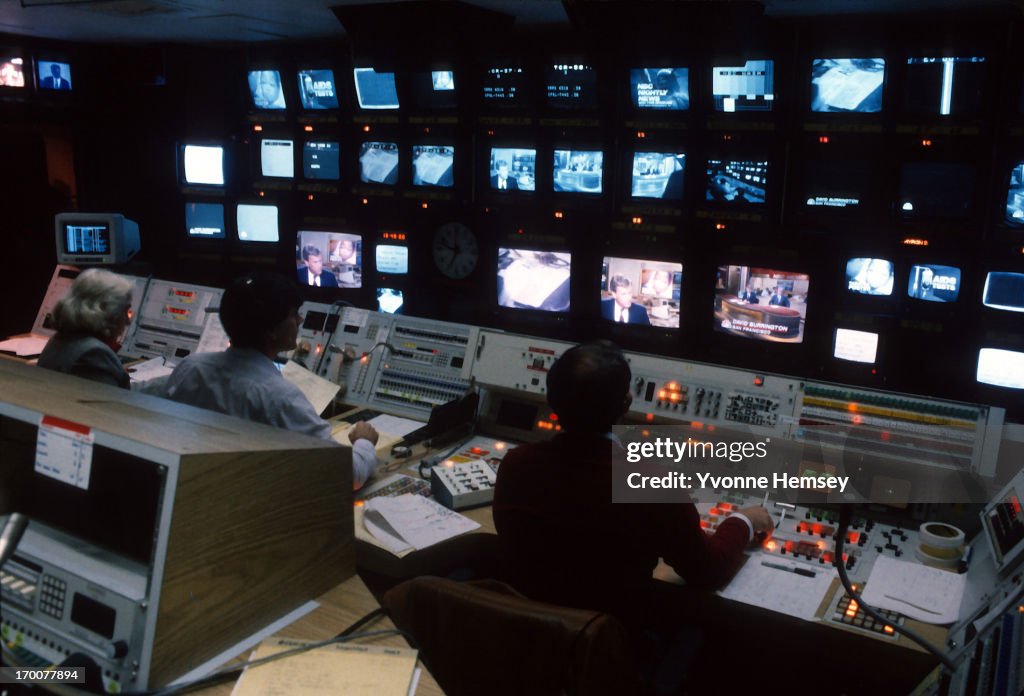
<point x="762" y="521"/>
<point x="363" y="431"/>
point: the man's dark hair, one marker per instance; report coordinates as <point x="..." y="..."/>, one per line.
<point x="588" y="385"/>
<point x="310" y="250"/>
<point x="619" y="281"/>
<point x="254" y="304"/>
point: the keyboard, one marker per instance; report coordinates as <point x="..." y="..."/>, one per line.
<point x="396" y="484"/>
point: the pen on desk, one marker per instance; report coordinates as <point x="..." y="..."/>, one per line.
<point x="782" y="516"/>
<point x="790" y="569"/>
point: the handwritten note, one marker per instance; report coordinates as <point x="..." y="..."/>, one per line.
<point x="927" y="594"/>
<point x="780" y="590"/>
<point x="419" y="521"/>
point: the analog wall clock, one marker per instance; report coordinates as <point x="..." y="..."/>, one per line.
<point x="455" y="250"/>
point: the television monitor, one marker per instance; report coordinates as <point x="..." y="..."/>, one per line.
<point x="204" y="220"/>
<point x="504" y="86"/>
<point x="736" y="181"/>
<point x="748" y="87"/>
<point x="53" y="74"/>
<point x="1001" y="368"/>
<point x="571" y="86"/>
<point x="944" y="85"/>
<point x="836" y="184"/>
<point x="533" y="279"/>
<point x="329" y="259"/>
<point x="203" y="164"/>
<point x="1004" y="290"/>
<point x="513" y="169"/>
<point x="1015" y="197"/>
<point x="266" y="91"/>
<point x="936" y="189"/>
<point x="578" y="171"/>
<point x="847" y="84"/>
<point x="256" y="222"/>
<point x="320" y="160"/>
<point x="434" y="89"/>
<point x="866" y="276"/>
<point x="433" y="165"/>
<point x="666" y="89"/>
<point x="375" y="90"/>
<point x="658" y="175"/>
<point x="389" y="300"/>
<point x="317" y="89"/>
<point x="855" y="346"/>
<point x="934" y="283"/>
<point x="378" y="163"/>
<point x="95" y="238"/>
<point x="277" y="158"/>
<point x="12" y="70"/>
<point x="392" y="259"/>
<point x="642" y="292"/>
<point x="761" y="303"/>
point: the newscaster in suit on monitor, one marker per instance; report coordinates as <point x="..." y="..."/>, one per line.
<point x="55" y="80"/>
<point x="620" y="307"/>
<point x="313" y="272"/>
<point x="500" y="180"/>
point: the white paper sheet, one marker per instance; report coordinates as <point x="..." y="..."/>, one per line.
<point x="419" y="521"/>
<point x="24" y="346"/>
<point x="921" y="592"/>
<point x="318" y="390"/>
<point x="780" y="590"/>
<point x="394" y="425"/>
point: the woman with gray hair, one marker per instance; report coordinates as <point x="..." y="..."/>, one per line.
<point x="89" y="321"/>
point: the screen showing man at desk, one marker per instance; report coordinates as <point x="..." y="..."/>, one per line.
<point x="513" y="169"/>
<point x="762" y="303"/>
<point x="329" y="259"/>
<point x="531" y="279"/>
<point x="578" y="171"/>
<point x="736" y="182"/>
<point x="658" y="175"/>
<point x="634" y="291"/>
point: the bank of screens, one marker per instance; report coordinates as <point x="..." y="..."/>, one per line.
<point x="203" y="164"/>
<point x="571" y="86"/>
<point x="329" y="259"/>
<point x="946" y="85"/>
<point x="1001" y="368"/>
<point x="53" y="75"/>
<point x="256" y="222"/>
<point x="320" y="160"/>
<point x="317" y="90"/>
<point x="934" y="283"/>
<point x="658" y="175"/>
<point x="392" y="259"/>
<point x="432" y="165"/>
<point x="855" y="346"/>
<point x="866" y="276"/>
<point x="736" y="181"/>
<point x="847" y="84"/>
<point x="746" y="87"/>
<point x="666" y="89"/>
<point x="265" y="90"/>
<point x="761" y="303"/>
<point x="532" y="279"/>
<point x="1004" y="291"/>
<point x="375" y="90"/>
<point x="12" y="71"/>
<point x="204" y="220"/>
<point x="641" y="292"/>
<point x="513" y="169"/>
<point x="277" y="158"/>
<point x="578" y="171"/>
<point x="378" y="163"/>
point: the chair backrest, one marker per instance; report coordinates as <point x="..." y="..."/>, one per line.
<point x="484" y="638"/>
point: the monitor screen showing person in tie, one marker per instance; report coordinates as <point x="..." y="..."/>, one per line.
<point x="620" y="307"/>
<point x="312" y="273"/>
<point x="501" y="180"/>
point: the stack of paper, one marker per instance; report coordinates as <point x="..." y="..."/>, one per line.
<point x="927" y="594"/>
<point x="411" y="522"/>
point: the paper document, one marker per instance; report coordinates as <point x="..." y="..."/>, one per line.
<point x="372" y="528"/>
<point x="385" y="441"/>
<point x="24" y="346"/>
<point x="419" y="521"/>
<point x="393" y="425"/>
<point x="318" y="390"/>
<point x="783" y="586"/>
<point x="340" y="668"/>
<point x="921" y="592"/>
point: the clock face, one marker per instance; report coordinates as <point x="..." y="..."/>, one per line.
<point x="455" y="250"/>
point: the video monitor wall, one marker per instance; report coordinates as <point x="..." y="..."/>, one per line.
<point x="578" y="171"/>
<point x="203" y="164"/>
<point x="641" y="292"/>
<point x="1001" y="368"/>
<point x="765" y="304"/>
<point x="736" y="181"/>
<point x="748" y="87"/>
<point x="855" y="346"/>
<point x="866" y="276"/>
<point x="256" y="222"/>
<point x="666" y="89"/>
<point x="658" y="175"/>
<point x="277" y="158"/>
<point x="320" y="160"/>
<point x="433" y="165"/>
<point x="571" y="86"/>
<point x="205" y="220"/>
<point x="847" y="84"/>
<point x="375" y="90"/>
<point x="513" y="169"/>
<point x="944" y="85"/>
<point x="1004" y="290"/>
<point x="54" y="75"/>
<point x="266" y="91"/>
<point x="317" y="90"/>
<point x="329" y="259"/>
<point x="12" y="71"/>
<point x="533" y="279"/>
<point x="934" y="283"/>
<point x="378" y="163"/>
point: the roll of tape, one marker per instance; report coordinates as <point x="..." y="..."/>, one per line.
<point x="941" y="544"/>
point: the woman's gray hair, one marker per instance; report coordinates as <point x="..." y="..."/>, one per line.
<point x="95" y="305"/>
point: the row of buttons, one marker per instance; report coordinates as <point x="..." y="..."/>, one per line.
<point x="51" y="600"/>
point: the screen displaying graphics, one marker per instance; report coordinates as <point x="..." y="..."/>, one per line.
<point x="392" y="259"/>
<point x="530" y="279"/>
<point x="432" y="165"/>
<point x="934" y="283"/>
<point x="761" y="303"/>
<point x="847" y="84"/>
<point x="12" y="71"/>
<point x="936" y="189"/>
<point x="571" y="86"/>
<point x="205" y="220"/>
<point x="855" y="346"/>
<point x="1001" y="368"/>
<point x="947" y="85"/>
<point x="389" y="300"/>
<point x="320" y="160"/>
<point x="87" y="238"/>
<point x="658" y="175"/>
<point x="733" y="181"/>
<point x="646" y="293"/>
<point x="869" y="276"/>
<point x="378" y="163"/>
<point x="1015" y="197"/>
<point x="329" y="259"/>
<point x="257" y="223"/>
<point x="744" y="88"/>
<point x="1004" y="291"/>
<point x="277" y="158"/>
<point x="265" y="90"/>
<point x="316" y="90"/>
<point x="53" y="75"/>
<point x="660" y="88"/>
<point x="204" y="164"/>
<point x="375" y="90"/>
<point x="504" y="86"/>
<point x="513" y="169"/>
<point x="578" y="171"/>
<point x="836" y="184"/>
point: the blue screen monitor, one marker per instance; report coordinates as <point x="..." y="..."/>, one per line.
<point x="763" y="304"/>
<point x="433" y="165"/>
<point x="375" y="90"/>
<point x="205" y="220"/>
<point x="389" y="300"/>
<point x="257" y="222"/>
<point x="504" y="86"/>
<point x="317" y="90"/>
<point x="578" y="171"/>
<point x="944" y="85"/>
<point x="658" y="175"/>
<point x="378" y="163"/>
<point x="54" y="75"/>
<point x="1001" y="368"/>
<point x="736" y="181"/>
<point x="1004" y="291"/>
<point x="277" y="158"/>
<point x="866" y="276"/>
<point x="203" y="164"/>
<point x="1015" y="197"/>
<point x="666" y="89"/>
<point x="934" y="283"/>
<point x="641" y="292"/>
<point x="320" y="160"/>
<point x="847" y="84"/>
<point x="533" y="279"/>
<point x="266" y="91"/>
<point x="12" y="71"/>
<point x="392" y="259"/>
<point x="748" y="87"/>
<point x="513" y="169"/>
<point x="571" y="86"/>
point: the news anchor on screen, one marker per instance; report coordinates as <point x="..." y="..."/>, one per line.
<point x="312" y="273"/>
<point x="55" y="80"/>
<point x="501" y="181"/>
<point x="620" y="306"/>
<point x="779" y="299"/>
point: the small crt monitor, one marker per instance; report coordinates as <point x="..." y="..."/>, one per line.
<point x="434" y="89"/>
<point x="53" y="75"/>
<point x="936" y="189"/>
<point x="203" y="164"/>
<point x="1015" y="197"/>
<point x="666" y="89"/>
<point x="571" y="86"/>
<point x="389" y="300"/>
<point x="375" y="90"/>
<point x="504" y="86"/>
<point x="432" y="165"/>
<point x="736" y="181"/>
<point x="12" y="70"/>
<point x="852" y="85"/>
<point x="513" y="169"/>
<point x="266" y="91"/>
<point x="866" y="276"/>
<point x="277" y="158"/>
<point x="658" y="175"/>
<point x="329" y="259"/>
<point x="944" y="85"/>
<point x="933" y="283"/>
<point x="320" y="160"/>
<point x="317" y="90"/>
<point x="765" y="304"/>
<point x="1004" y="291"/>
<point x="532" y="279"/>
<point x="747" y="87"/>
<point x="95" y="238"/>
<point x="204" y="220"/>
<point x="256" y="222"/>
<point x="855" y="346"/>
<point x="636" y="291"/>
<point x="578" y="171"/>
<point x="1001" y="368"/>
<point x="392" y="259"/>
<point x="378" y="163"/>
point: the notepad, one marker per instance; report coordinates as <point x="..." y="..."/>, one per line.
<point x="924" y="593"/>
